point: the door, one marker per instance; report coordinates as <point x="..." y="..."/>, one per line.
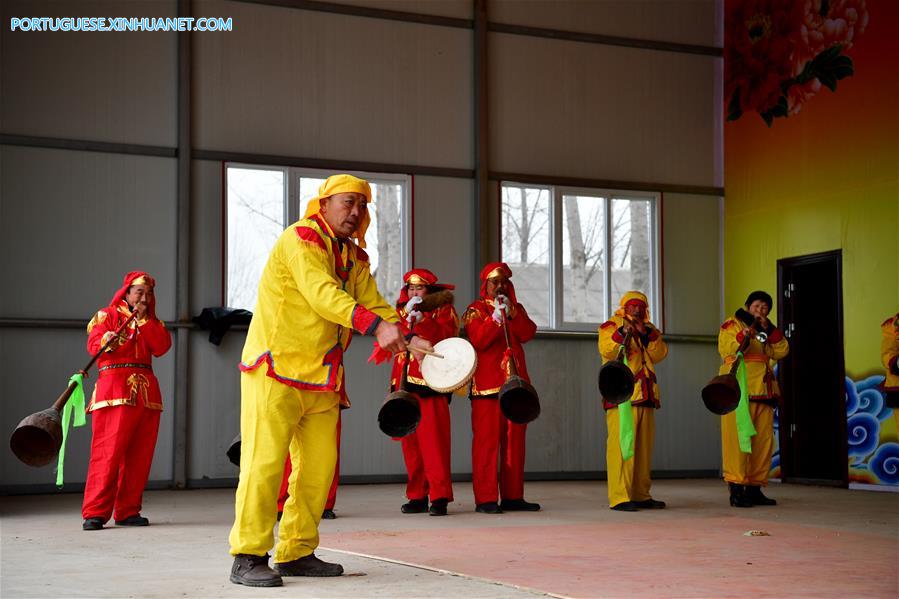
<point x="813" y="412"/>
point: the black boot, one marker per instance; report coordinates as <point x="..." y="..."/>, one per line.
<point x="328" y="514"/>
<point x="755" y="495"/>
<point x="491" y="507"/>
<point x="738" y="496"/>
<point x="626" y="506"/>
<point x="92" y="524"/>
<point x="518" y="505"/>
<point x="438" y="507"/>
<point x="253" y="571"/>
<point x="137" y="520"/>
<point x="308" y="566"/>
<point x="415" y="506"/>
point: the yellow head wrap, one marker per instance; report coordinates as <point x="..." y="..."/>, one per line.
<point x="629" y="297"/>
<point x="343" y="184"/>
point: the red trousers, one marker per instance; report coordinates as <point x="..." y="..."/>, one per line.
<point x="122" y="445"/>
<point x="496" y="438"/>
<point x="332" y="492"/>
<point x="427" y="452"/>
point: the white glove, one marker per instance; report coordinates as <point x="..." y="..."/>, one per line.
<point x="413" y="301"/>
<point x="499" y="305"/>
<point x="414" y="317"/>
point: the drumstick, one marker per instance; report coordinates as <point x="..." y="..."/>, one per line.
<point x="429" y="352"/>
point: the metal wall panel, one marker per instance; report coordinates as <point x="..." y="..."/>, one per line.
<point x="73" y="223"/>
<point x="115" y="87"/>
<point x="586" y="110"/>
<point x="302" y="83"/>
<point x="684" y="21"/>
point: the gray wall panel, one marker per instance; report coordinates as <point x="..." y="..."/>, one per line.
<point x="586" y="110"/>
<point x="73" y="223"/>
<point x="684" y="21"/>
<point x="303" y="83"/>
<point x="44" y="360"/>
<point x="115" y="87"/>
<point x="459" y="9"/>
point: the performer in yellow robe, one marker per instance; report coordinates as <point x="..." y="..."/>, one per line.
<point x="629" y="480"/>
<point x="747" y="473"/>
<point x="315" y="290"/>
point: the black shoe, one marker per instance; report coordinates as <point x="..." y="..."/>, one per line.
<point x="415" y="506"/>
<point x="738" y="497"/>
<point x="253" y="571"/>
<point x="755" y="495"/>
<point x="137" y="520"/>
<point x="627" y="506"/>
<point x="328" y="515"/>
<point x="92" y="524"/>
<point x="438" y="507"/>
<point x="308" y="566"/>
<point x="519" y="505"/>
<point x="490" y="507"/>
<point x="650" y="504"/>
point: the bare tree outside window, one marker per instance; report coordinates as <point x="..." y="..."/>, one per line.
<point x="525" y="246"/>
<point x="606" y="248"/>
<point x="255" y="220"/>
<point x="631" y="248"/>
<point x="583" y="269"/>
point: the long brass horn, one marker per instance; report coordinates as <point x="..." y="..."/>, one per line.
<point x="616" y="381"/>
<point x="38" y="437"/>
<point x="518" y="400"/>
<point x="722" y="394"/>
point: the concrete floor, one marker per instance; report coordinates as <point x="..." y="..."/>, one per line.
<point x="823" y="543"/>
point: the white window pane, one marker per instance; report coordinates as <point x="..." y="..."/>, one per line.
<point x="255" y="220"/>
<point x="631" y="258"/>
<point x="384" y="236"/>
<point x="525" y="246"/>
<point x="583" y="262"/>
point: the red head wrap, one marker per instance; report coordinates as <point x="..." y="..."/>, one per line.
<point x="137" y="277"/>
<point x="498" y="269"/>
<point x="419" y="276"/>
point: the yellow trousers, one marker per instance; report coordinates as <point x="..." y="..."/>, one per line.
<point x="629" y="480"/>
<point x="748" y="468"/>
<point x="276" y="419"/>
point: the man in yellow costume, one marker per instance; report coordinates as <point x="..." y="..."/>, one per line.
<point x="315" y="290"/>
<point x="746" y="454"/>
<point x="631" y="425"/>
<point x="889" y="355"/>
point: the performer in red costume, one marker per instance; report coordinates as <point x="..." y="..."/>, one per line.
<point x="495" y="437"/>
<point x="427" y="450"/>
<point x="125" y="406"/>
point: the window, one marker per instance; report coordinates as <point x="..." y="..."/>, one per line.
<point x="261" y="201"/>
<point x="575" y="252"/>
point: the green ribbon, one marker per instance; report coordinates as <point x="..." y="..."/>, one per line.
<point x="745" y="428"/>
<point x="75" y="406"/>
<point x="626" y="426"/>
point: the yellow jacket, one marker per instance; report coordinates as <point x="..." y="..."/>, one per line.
<point x="889" y="352"/>
<point x="313" y="293"/>
<point x="759" y="358"/>
<point x="640" y="359"/>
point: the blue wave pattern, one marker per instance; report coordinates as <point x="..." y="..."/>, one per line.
<point x="885" y="464"/>
<point x="871" y="459"/>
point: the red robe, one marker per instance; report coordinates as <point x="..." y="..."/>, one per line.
<point x="426" y="451"/>
<point x="495" y="438"/>
<point x="125" y="408"/>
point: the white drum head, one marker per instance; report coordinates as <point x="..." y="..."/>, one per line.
<point x="452" y="371"/>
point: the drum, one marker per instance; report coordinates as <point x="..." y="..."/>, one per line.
<point x="454" y="369"/>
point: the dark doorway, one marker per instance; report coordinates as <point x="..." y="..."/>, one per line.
<point x="813" y="444"/>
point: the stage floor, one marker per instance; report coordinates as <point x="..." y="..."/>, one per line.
<point x="820" y="542"/>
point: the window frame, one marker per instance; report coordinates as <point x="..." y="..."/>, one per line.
<point x="291" y="201"/>
<point x="557" y="322"/>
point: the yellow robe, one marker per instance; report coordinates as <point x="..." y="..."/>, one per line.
<point x="629" y="480"/>
<point x="313" y="292"/>
<point x="751" y="468"/>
